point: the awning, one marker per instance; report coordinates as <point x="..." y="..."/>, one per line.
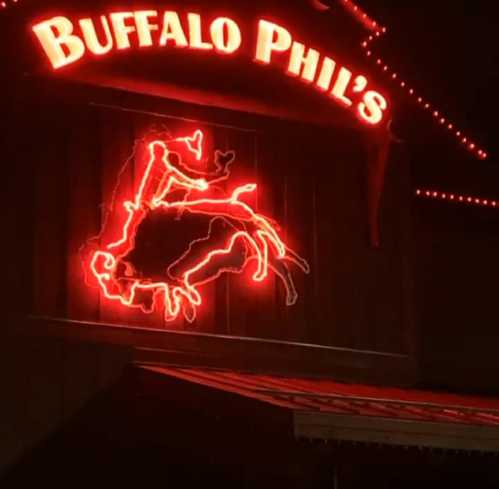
<point x="329" y="410"/>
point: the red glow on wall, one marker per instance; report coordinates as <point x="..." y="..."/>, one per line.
<point x="252" y="238"/>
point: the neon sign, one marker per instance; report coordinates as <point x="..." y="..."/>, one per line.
<point x="250" y="239"/>
<point x="64" y="42"/>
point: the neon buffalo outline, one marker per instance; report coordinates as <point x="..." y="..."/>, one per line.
<point x="253" y="234"/>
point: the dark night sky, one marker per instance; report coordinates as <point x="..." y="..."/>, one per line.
<point x="448" y="49"/>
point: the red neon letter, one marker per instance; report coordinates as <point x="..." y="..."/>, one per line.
<point x="195" y="37"/>
<point x="90" y="36"/>
<point x="55" y="33"/>
<point x="218" y="29"/>
<point x="303" y="65"/>
<point x="326" y="74"/>
<point x="172" y="29"/>
<point x="121" y="30"/>
<point x="372" y="107"/>
<point x="341" y="85"/>
<point x="271" y="37"/>
<point x="145" y="27"/>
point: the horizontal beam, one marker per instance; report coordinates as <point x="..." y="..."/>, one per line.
<point x="157" y="347"/>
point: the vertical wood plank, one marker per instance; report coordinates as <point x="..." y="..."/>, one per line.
<point x="141" y="127"/>
<point x="116" y="143"/>
<point x="84" y="218"/>
<point x="251" y="304"/>
<point x="51" y="193"/>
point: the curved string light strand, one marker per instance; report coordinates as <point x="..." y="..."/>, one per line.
<point x="376" y="32"/>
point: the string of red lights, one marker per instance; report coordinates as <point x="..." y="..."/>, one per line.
<point x="458" y="198"/>
<point x="8" y="3"/>
<point x="360" y="15"/>
<point x="376" y="32"/>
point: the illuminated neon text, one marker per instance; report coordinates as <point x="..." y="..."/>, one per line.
<point x="323" y="72"/>
<point x="65" y="42"/>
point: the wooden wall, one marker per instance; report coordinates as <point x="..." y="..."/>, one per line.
<point x="457" y="293"/>
<point x="312" y="181"/>
<point x="62" y="149"/>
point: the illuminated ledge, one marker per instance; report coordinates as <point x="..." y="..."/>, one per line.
<point x="323" y="426"/>
<point x="325" y="409"/>
<point x="160" y="347"/>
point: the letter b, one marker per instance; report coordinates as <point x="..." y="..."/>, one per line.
<point x="55" y="33"/>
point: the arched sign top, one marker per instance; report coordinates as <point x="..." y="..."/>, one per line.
<point x="66" y="41"/>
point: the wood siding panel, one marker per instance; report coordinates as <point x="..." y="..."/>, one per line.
<point x="311" y="180"/>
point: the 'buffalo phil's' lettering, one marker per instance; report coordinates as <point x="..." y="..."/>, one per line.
<point x="65" y="42"/>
